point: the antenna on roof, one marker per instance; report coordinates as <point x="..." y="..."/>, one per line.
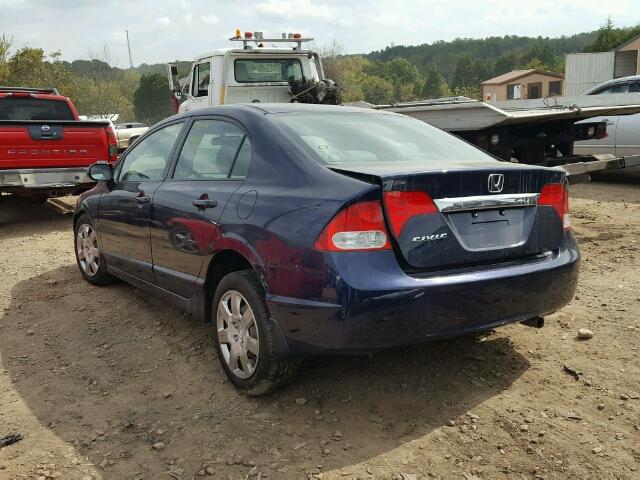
<point x="129" y="48"/>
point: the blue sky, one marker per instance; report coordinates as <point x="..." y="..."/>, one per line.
<point x="180" y="29"/>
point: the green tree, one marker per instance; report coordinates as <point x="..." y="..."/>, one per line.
<point x="507" y="62"/>
<point x="5" y="46"/>
<point x="378" y="90"/>
<point x="609" y="37"/>
<point x="435" y="85"/>
<point x="403" y="75"/>
<point x="464" y="75"/>
<point x="151" y="100"/>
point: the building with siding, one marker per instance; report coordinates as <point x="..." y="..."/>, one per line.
<point x="522" y="84"/>
<point x="586" y="70"/>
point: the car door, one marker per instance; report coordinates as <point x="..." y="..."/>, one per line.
<point x="608" y="144"/>
<point x="201" y="85"/>
<point x="126" y="208"/>
<point x="210" y="167"/>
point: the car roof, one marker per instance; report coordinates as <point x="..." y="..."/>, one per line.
<point x="261" y="109"/>
<point x="267" y="108"/>
<point x="614" y="81"/>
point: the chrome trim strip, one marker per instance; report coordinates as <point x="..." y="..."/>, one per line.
<point x="486" y="202"/>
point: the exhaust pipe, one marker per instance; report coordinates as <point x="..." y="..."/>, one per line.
<point x="535" y="322"/>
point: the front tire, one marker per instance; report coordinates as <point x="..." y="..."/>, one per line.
<point x="244" y="336"/>
<point x="88" y="256"/>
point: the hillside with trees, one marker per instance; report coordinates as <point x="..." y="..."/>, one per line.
<point x="395" y="74"/>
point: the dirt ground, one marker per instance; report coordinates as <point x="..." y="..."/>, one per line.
<point x="93" y="378"/>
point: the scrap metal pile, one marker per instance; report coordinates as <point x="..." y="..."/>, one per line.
<point x="325" y="92"/>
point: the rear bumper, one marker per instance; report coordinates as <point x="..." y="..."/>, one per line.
<point x="379" y="306"/>
<point x="44" y="178"/>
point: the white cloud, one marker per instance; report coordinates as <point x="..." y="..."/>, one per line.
<point x="210" y="19"/>
<point x="188" y="18"/>
<point x="164" y="21"/>
<point x="290" y="9"/>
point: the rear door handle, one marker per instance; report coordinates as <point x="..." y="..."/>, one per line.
<point x="143" y="199"/>
<point x="205" y="203"/>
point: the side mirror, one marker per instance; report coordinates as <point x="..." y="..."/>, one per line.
<point x="101" y="172"/>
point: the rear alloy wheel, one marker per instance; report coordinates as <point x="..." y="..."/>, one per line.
<point x="88" y="256"/>
<point x="238" y="334"/>
<point x="244" y="336"/>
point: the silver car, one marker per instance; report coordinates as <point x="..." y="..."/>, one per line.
<point x="623" y="130"/>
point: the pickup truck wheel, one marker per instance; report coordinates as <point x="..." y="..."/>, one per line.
<point x="90" y="261"/>
<point x="244" y="336"/>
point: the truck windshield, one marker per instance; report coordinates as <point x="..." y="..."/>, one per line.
<point x="252" y="70"/>
<point x="371" y="138"/>
<point x="12" y="108"/>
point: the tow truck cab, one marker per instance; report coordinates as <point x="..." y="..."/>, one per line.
<point x="251" y="74"/>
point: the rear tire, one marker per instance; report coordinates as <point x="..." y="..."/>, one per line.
<point x="244" y="334"/>
<point x="90" y="260"/>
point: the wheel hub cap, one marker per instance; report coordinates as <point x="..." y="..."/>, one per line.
<point x="238" y="334"/>
<point x="87" y="250"/>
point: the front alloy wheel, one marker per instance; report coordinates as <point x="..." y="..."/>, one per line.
<point x="90" y="260"/>
<point x="87" y="250"/>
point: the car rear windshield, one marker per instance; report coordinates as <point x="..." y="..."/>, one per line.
<point x="369" y="138"/>
<point x="251" y="70"/>
<point x="12" y="108"/>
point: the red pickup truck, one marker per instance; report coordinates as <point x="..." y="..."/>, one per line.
<point x="45" y="149"/>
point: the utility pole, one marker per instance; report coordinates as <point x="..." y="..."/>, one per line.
<point x="129" y="47"/>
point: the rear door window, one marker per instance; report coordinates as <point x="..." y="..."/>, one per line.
<point x="16" y="108"/>
<point x="210" y="150"/>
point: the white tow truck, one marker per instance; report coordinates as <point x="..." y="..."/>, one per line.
<point x="258" y="71"/>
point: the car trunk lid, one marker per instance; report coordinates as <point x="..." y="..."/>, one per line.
<point x="471" y="213"/>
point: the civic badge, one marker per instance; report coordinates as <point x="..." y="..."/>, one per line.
<point x="496" y="182"/>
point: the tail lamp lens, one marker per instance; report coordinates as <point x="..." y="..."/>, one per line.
<point x="401" y="206"/>
<point x="557" y="196"/>
<point x="358" y="227"/>
<point x="112" y="142"/>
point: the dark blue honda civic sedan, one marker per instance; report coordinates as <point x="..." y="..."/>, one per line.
<point x="300" y="229"/>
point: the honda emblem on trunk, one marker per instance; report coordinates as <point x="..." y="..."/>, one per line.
<point x="496" y="182"/>
<point x="46" y="128"/>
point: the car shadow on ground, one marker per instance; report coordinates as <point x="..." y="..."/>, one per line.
<point x="112" y="371"/>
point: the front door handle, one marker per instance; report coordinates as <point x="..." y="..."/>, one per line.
<point x="143" y="199"/>
<point x="205" y="203"/>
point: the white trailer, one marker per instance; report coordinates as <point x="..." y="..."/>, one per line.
<point x="539" y="132"/>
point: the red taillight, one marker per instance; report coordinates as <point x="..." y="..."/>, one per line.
<point x="112" y="142"/>
<point x="401" y="206"/>
<point x="556" y="196"/>
<point x="358" y="227"/>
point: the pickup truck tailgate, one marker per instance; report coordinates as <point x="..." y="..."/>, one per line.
<point x="52" y="144"/>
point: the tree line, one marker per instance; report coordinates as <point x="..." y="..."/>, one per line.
<point x="405" y="73"/>
<point x="96" y="88"/>
<point x="395" y="74"/>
